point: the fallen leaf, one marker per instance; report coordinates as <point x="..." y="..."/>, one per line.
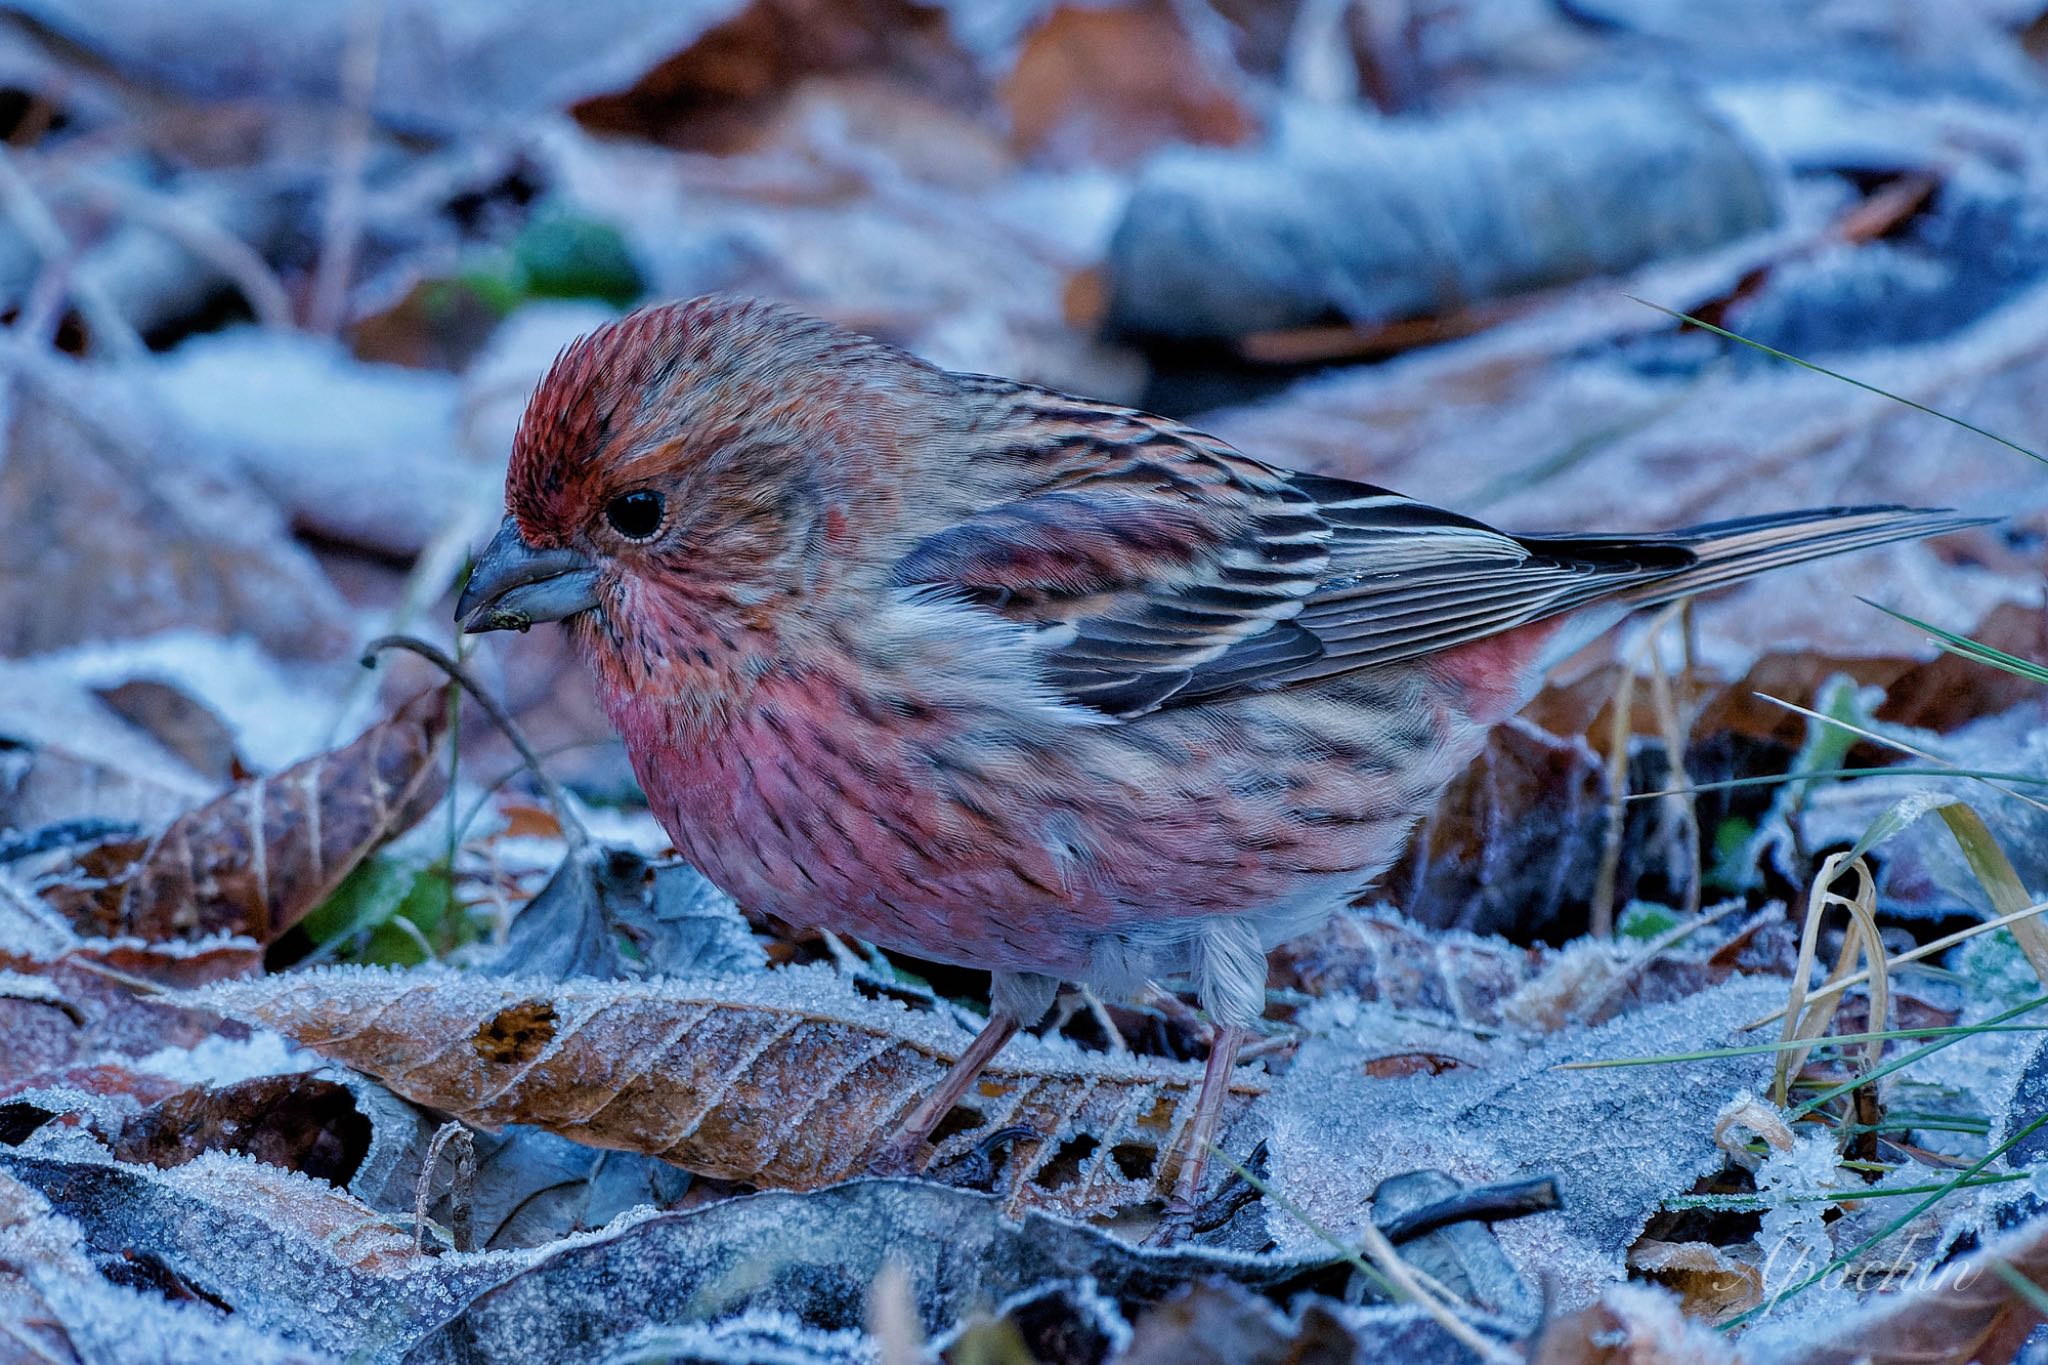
<point x="1631" y="1325"/>
<point x="289" y="1256"/>
<point x="610" y="913"/>
<point x="84" y="1015"/>
<point x="1711" y="1283"/>
<point x="58" y="1305"/>
<point x="717" y="93"/>
<point x="1108" y="85"/>
<point x="814" y="1257"/>
<point x="132" y="537"/>
<point x="297" y="1122"/>
<point x="180" y="722"/>
<point x="1616" y="1139"/>
<point x="1514" y="842"/>
<point x="789" y="1079"/>
<point x="256" y="859"/>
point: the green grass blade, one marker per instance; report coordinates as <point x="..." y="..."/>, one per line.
<point x="1776" y="779"/>
<point x="1904" y="1060"/>
<point x="2036" y="1297"/>
<point x="1903" y="1220"/>
<point x="1795" y="1044"/>
<point x="1963" y="647"/>
<point x="1775" y="353"/>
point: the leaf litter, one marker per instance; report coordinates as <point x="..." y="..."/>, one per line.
<point x="301" y="296"/>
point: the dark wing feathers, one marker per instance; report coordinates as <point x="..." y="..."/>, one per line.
<point x="1162" y="567"/>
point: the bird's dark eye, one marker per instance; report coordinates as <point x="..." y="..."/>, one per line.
<point x="635" y="515"/>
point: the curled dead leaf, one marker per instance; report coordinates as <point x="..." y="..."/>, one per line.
<point x="1712" y="1283"/>
<point x="258" y="857"/>
<point x="297" y="1122"/>
<point x="789" y="1079"/>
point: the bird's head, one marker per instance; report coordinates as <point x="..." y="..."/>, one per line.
<point x="683" y="475"/>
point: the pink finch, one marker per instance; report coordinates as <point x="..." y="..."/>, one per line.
<point x="1005" y="678"/>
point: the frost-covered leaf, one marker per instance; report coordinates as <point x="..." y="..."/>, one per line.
<point x="672" y="921"/>
<point x="292" y="1257"/>
<point x="296" y="1122"/>
<point x="87" y="1015"/>
<point x="1486" y="984"/>
<point x="55" y="1305"/>
<point x="815" y="1256"/>
<point x="131" y="538"/>
<point x="253" y="861"/>
<point x="1619" y="1139"/>
<point x="790" y="1078"/>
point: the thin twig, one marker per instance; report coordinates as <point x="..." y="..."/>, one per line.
<point x="111" y="332"/>
<point x="236" y="261"/>
<point x="572" y="824"/>
<point x="1482" y="1203"/>
<point x="341" y="222"/>
<point x="1386" y="1265"/>
<point x="1606" y="886"/>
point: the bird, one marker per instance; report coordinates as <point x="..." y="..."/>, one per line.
<point x="1006" y="678"/>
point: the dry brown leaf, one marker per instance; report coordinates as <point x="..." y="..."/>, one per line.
<point x="1514" y="843"/>
<point x="1712" y="1284"/>
<point x="69" y="1013"/>
<point x="1630" y="1325"/>
<point x="296" y="1121"/>
<point x="180" y="722"/>
<point x="1956" y="1313"/>
<point x="788" y="1079"/>
<point x="1110" y="85"/>
<point x="717" y="93"/>
<point x="255" y="859"/>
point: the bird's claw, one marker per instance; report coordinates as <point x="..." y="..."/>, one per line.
<point x="900" y="1157"/>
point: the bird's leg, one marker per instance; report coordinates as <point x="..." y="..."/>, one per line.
<point x="1015" y="998"/>
<point x="1230" y="971"/>
<point x="904" y="1153"/>
<point x="1200" y="1134"/>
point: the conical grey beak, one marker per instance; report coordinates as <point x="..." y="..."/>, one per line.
<point x="514" y="585"/>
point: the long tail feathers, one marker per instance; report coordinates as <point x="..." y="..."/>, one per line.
<point x="1726" y="552"/>
<point x="1729" y="551"/>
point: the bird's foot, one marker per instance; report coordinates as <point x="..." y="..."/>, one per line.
<point x="903" y="1154"/>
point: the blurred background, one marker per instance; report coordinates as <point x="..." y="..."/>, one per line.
<point x="278" y="277"/>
